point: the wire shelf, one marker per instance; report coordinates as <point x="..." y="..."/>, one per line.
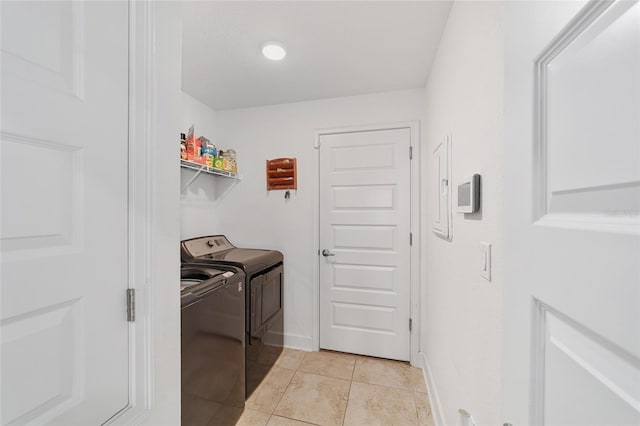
<point x="201" y="168"/>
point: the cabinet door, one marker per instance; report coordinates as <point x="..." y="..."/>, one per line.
<point x="64" y="211"/>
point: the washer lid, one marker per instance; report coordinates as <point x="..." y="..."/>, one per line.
<point x="244" y="256"/>
<point x="195" y="278"/>
<point x="216" y="249"/>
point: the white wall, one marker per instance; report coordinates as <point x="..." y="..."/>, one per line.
<point x="252" y="217"/>
<point x="461" y="312"/>
<point x="196" y="113"/>
<point x="195" y="202"/>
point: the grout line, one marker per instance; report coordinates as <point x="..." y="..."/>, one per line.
<point x="296" y="370"/>
<point x="357" y="358"/>
<point x="285" y="391"/>
<point x="296" y="420"/>
<point x="346" y="407"/>
<point x="353" y="372"/>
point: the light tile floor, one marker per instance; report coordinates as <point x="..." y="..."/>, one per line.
<point x="331" y="388"/>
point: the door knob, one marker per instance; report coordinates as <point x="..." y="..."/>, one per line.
<point x="326" y="253"/>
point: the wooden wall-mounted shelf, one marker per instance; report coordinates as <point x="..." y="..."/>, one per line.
<point x="282" y="173"/>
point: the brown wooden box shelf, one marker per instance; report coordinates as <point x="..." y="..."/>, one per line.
<point x="282" y="173"/>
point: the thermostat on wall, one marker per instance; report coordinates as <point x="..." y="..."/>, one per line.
<point x="469" y="195"/>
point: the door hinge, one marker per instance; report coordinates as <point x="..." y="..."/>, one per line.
<point x="410" y="153"/>
<point x="131" y="304"/>
<point x="410" y="324"/>
<point x="410" y="238"/>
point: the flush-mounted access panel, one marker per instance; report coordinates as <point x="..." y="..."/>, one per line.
<point x="441" y="167"/>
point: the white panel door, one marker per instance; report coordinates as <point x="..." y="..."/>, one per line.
<point x="364" y="228"/>
<point x="572" y="181"/>
<point x="64" y="211"/>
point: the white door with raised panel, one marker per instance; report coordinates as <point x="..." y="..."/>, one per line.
<point x="365" y="187"/>
<point x="64" y="236"/>
<point x="572" y="240"/>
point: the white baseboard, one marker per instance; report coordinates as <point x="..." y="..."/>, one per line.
<point x="434" y="399"/>
<point x="295" y="341"/>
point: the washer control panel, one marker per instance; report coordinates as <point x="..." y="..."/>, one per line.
<point x="203" y="246"/>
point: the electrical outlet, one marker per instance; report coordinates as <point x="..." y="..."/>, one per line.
<point x="465" y="418"/>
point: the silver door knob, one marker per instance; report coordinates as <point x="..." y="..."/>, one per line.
<point x="326" y="253"/>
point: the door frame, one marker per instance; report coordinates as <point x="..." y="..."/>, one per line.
<point x="140" y="119"/>
<point x="154" y="348"/>
<point x="414" y="226"/>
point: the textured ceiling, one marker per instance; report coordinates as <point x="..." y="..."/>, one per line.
<point x="333" y="49"/>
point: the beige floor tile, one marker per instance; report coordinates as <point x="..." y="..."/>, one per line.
<point x="229" y="416"/>
<point x="330" y="364"/>
<point x="315" y="399"/>
<point x="267" y="395"/>
<point x="283" y="421"/>
<point x="425" y="418"/>
<point x="417" y="380"/>
<point x="380" y="405"/>
<point x="290" y="358"/>
<point x="253" y="418"/>
<point x="383" y="372"/>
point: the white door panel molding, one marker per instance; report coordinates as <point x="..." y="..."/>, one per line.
<point x="571" y="297"/>
<point x="365" y="226"/>
<point x="587" y="95"/>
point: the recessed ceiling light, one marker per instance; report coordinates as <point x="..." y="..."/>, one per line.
<point x="273" y="50"/>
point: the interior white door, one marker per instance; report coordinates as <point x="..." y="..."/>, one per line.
<point x="365" y="189"/>
<point x="64" y="236"/>
<point x="572" y="240"/>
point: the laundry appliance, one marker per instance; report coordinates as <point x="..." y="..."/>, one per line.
<point x="213" y="334"/>
<point x="264" y="283"/>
